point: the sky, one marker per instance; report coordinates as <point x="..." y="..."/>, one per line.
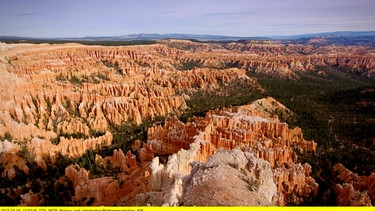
<point x="79" y="18"/>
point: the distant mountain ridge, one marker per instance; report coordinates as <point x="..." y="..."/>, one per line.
<point x="153" y="36"/>
<point x="141" y="36"/>
<point x="332" y="34"/>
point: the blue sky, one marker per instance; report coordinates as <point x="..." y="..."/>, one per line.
<point x="78" y="18"/>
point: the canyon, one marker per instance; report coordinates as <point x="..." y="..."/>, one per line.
<point x="68" y="109"/>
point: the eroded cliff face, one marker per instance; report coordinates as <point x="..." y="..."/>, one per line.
<point x="263" y="137"/>
<point x="70" y="148"/>
<point x="49" y="91"/>
<point x="352" y="189"/>
<point x="59" y="101"/>
<point x="64" y="98"/>
<point x="121" y="190"/>
<point x="287" y="60"/>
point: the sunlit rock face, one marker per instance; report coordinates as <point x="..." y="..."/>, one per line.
<point x="59" y="101"/>
<point x="247" y="128"/>
<point x="231" y="178"/>
<point x="352" y="189"/>
<point x="64" y="98"/>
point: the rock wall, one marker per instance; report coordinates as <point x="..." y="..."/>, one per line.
<point x="264" y="137"/>
<point x="71" y="148"/>
<point x="130" y="180"/>
<point x="10" y="158"/>
<point x="282" y="60"/>
<point x="63" y="99"/>
<point x="286" y="66"/>
<point x="352" y="189"/>
<point x="77" y="89"/>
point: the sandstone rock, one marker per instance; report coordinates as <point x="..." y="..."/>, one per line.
<point x="295" y="183"/>
<point x="283" y="61"/>
<point x="146" y="153"/>
<point x="265" y="137"/>
<point x="348" y="196"/>
<point x="31" y="199"/>
<point x="72" y="147"/>
<point x="9" y="161"/>
<point x="61" y="90"/>
<point x="9" y="158"/>
<point x="229" y="178"/>
<point x="62" y="99"/>
<point x="119" y="190"/>
<point x="170" y="138"/>
<point x="352" y="189"/>
<point x="72" y="90"/>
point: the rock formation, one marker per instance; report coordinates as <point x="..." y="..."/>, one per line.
<point x="229" y="178"/>
<point x="64" y="99"/>
<point x="31" y="199"/>
<point x="70" y="148"/>
<point x="122" y="189"/>
<point x="78" y="92"/>
<point x="61" y="100"/>
<point x="79" y="89"/>
<point x="352" y="189"/>
<point x="10" y="158"/>
<point x="277" y="59"/>
<point x="197" y="140"/>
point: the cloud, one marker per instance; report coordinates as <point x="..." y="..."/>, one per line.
<point x="70" y="10"/>
<point x="27" y="14"/>
<point x="233" y="13"/>
<point x="168" y="12"/>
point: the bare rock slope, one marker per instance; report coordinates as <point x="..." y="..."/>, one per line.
<point x="231" y="178"/>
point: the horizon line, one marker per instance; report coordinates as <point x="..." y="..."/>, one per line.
<point x="186" y="34"/>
